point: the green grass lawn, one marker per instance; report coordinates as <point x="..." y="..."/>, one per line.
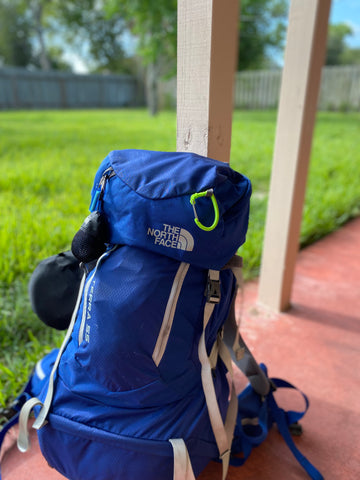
<point x="47" y="163"/>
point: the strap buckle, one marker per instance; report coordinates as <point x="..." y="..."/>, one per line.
<point x="9" y="412"/>
<point x="6" y="414"/>
<point x="213" y="292"/>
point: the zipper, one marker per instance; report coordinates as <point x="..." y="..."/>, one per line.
<point x="99" y="192"/>
<point x="86" y="294"/>
<point x="168" y="319"/>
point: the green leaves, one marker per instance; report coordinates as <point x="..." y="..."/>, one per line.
<point x="154" y="22"/>
<point x="336" y="44"/>
<point x="262" y="25"/>
<point x="15" y="44"/>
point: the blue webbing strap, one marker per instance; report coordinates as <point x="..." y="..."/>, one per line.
<point x="291" y="416"/>
<point x="281" y="421"/>
<point x="245" y="443"/>
<point x="268" y="413"/>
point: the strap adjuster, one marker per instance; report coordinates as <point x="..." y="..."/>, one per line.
<point x="225" y="454"/>
<point x="213" y="292"/>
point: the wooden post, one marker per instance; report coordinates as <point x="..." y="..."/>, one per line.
<point x="304" y="58"/>
<point x="207" y="54"/>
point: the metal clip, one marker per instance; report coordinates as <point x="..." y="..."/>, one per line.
<point x="208" y="193"/>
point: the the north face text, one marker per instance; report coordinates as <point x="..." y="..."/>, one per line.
<point x="172" y="237"/>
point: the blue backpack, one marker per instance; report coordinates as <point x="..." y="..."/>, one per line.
<point x="139" y="388"/>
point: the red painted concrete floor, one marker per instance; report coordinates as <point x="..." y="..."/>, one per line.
<point x="315" y="345"/>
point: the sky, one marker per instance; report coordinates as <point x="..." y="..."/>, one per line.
<point x="347" y="11"/>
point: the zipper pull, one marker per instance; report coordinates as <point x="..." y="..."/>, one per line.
<point x="95" y="199"/>
<point x="99" y="192"/>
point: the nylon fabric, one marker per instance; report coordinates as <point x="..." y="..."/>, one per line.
<point x="147" y="205"/>
<point x="110" y="383"/>
<point x="132" y="385"/>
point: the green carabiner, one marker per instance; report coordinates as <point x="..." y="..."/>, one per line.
<point x="207" y="193"/>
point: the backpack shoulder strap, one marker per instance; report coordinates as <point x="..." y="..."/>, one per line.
<point x="223" y="431"/>
<point x="182" y="464"/>
<point x="239" y="351"/>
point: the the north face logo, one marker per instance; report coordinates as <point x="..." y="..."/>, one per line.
<point x="172" y="237"/>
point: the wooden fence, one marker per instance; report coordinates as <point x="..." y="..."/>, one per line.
<point x="21" y="88"/>
<point x="340" y="89"/>
<point x="257" y="89"/>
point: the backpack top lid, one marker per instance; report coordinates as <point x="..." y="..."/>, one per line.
<point x="151" y="200"/>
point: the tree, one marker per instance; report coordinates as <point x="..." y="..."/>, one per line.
<point x="15" y="45"/>
<point x="336" y="43"/>
<point x="86" y="22"/>
<point x="37" y="13"/>
<point x="262" y="31"/>
<point x="25" y="31"/>
<point x="154" y="23"/>
<point x="351" y="56"/>
<point x="338" y="52"/>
